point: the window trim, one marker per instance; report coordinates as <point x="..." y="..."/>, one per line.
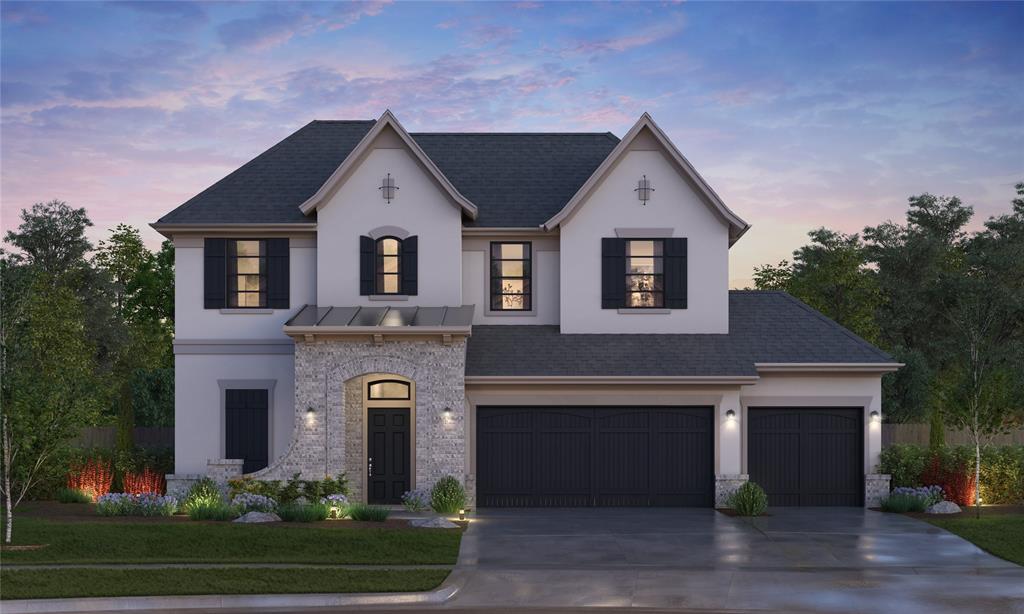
<point x="370" y="383"/>
<point x="231" y="263"/>
<point x="626" y="275"/>
<point x="378" y="267"/>
<point x="528" y="276"/>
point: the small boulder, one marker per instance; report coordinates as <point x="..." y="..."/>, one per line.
<point x="943" y="507"/>
<point x="437" y="522"/>
<point x="253" y="517"/>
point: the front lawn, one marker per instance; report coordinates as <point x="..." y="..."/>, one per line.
<point x="1002" y="535"/>
<point x="134" y="582"/>
<point x="225" y="542"/>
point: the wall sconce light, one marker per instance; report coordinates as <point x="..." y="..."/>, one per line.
<point x="875" y="417"/>
<point x="643" y="190"/>
<point x="730" y="415"/>
<point x="447" y="412"/>
<point x="310" y="414"/>
<point x="387" y="188"/>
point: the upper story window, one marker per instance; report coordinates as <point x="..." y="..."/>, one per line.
<point x="645" y="273"/>
<point x="388" y="390"/>
<point x="247" y="273"/>
<point x="511" y="277"/>
<point x="389" y="266"/>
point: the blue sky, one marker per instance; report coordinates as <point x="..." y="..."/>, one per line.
<point x="799" y="115"/>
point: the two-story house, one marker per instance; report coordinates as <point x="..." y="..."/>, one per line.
<point x="545" y="316"/>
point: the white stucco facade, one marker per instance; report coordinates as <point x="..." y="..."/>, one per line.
<point x="675" y="210"/>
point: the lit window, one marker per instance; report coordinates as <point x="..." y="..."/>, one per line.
<point x="645" y="273"/>
<point x="511" y="277"/>
<point x="389" y="266"/>
<point x="247" y="273"/>
<point x="388" y="389"/>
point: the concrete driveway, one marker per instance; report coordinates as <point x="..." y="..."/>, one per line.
<point x="821" y="560"/>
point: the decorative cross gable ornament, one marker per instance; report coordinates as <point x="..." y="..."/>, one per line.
<point x="643" y="190"/>
<point x="387" y="188"/>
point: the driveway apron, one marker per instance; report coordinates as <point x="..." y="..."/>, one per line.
<point x="797" y="559"/>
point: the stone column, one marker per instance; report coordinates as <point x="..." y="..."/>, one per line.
<point x="729" y="476"/>
<point x="876" y="488"/>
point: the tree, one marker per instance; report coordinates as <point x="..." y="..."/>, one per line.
<point x="829" y="274"/>
<point x="51" y="388"/>
<point x="52" y="237"/>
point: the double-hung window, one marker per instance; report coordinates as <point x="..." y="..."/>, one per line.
<point x="389" y="266"/>
<point x="645" y="273"/>
<point x="511" y="273"/>
<point x="246" y="273"/>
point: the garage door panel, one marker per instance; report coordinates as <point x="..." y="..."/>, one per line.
<point x="807" y="456"/>
<point x="596" y="456"/>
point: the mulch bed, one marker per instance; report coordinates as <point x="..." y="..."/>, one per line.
<point x="82" y="512"/>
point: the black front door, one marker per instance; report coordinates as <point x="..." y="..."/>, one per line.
<point x="246" y="429"/>
<point x="388" y="458"/>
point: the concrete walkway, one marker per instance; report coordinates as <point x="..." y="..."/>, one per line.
<point x="821" y="560"/>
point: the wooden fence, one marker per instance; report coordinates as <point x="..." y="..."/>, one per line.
<point x="918" y="433"/>
<point x="148" y="437"/>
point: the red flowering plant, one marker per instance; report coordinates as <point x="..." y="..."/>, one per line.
<point x="93" y="476"/>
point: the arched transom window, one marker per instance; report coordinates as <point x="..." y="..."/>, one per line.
<point x="387" y="389"/>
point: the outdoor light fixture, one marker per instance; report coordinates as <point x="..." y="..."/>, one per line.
<point x="730" y="414"/>
<point x="875" y="417"/>
<point x="387" y="188"/>
<point x="448" y="412"/>
<point x="643" y="190"/>
<point x="462" y="514"/>
<point x="310" y="414"/>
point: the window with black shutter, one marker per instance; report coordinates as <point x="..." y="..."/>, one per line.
<point x="246" y="273"/>
<point x="643" y="273"/>
<point x="388" y="266"/>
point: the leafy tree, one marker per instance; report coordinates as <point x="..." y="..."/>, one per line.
<point x="50" y="386"/>
<point x="829" y="274"/>
<point x="52" y="237"/>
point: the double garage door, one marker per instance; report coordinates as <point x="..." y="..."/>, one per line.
<point x="609" y="456"/>
<point x="661" y="456"/>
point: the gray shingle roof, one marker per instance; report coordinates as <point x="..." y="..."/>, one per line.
<point x="764" y="327"/>
<point x="515" y="180"/>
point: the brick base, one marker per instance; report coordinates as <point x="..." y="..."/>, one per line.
<point x="726" y="484"/>
<point x="876" y="488"/>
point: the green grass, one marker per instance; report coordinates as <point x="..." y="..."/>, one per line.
<point x="55" y="583"/>
<point x="1003" y="535"/>
<point x="190" y="542"/>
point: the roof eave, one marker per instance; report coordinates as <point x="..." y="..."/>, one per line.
<point x="169" y="229"/>
<point x="827" y="367"/>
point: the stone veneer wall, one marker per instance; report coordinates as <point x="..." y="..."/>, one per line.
<point x="355" y="457"/>
<point x="325" y="440"/>
<point x="726" y="484"/>
<point x="876" y="488"/>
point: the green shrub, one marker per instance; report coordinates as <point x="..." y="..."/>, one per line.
<point x="749" y="500"/>
<point x="204" y="491"/>
<point x="72" y="495"/>
<point x="290" y="491"/>
<point x="372" y="513"/>
<point x="448" y="496"/>
<point x="303" y="512"/>
<point x="900" y="503"/>
<point x="1002" y="468"/>
<point x="211" y="509"/>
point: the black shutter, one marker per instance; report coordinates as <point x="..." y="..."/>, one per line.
<point x="675" y="273"/>
<point x="278" y="273"/>
<point x="366" y="261"/>
<point x="215" y="273"/>
<point x="613" y="273"/>
<point x="410" y="247"/>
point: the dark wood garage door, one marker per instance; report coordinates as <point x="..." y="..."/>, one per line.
<point x="807" y="455"/>
<point x="578" y="456"/>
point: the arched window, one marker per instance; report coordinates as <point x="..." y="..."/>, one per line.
<point x="387" y="389"/>
<point x="389" y="266"/>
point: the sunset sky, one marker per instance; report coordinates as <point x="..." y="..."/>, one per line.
<point x="799" y="115"/>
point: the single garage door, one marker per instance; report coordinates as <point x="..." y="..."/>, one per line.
<point x="580" y="456"/>
<point x="807" y="455"/>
